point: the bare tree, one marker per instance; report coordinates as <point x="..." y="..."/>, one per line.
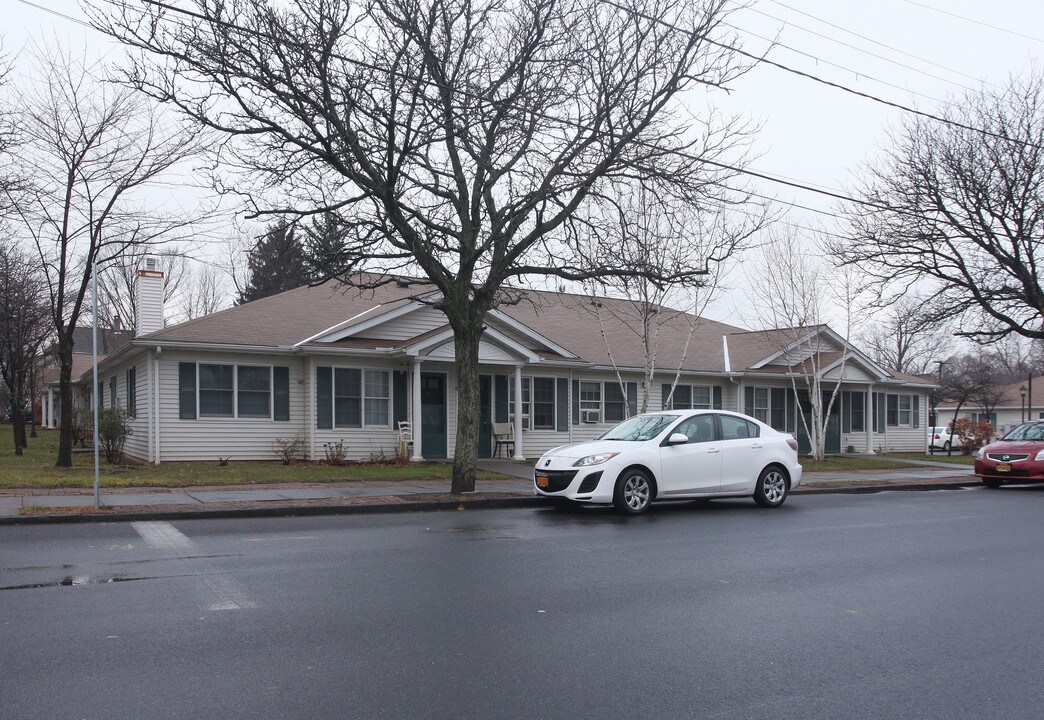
<point x="24" y="326"/>
<point x="94" y="149"/>
<point x="674" y="237"/>
<point x="960" y="208"/>
<point x="204" y="292"/>
<point x="116" y="296"/>
<point x="794" y="288"/>
<point x="8" y="140"/>
<point x="455" y="137"/>
<point x="961" y="381"/>
<point x="905" y="340"/>
<point x="1015" y="358"/>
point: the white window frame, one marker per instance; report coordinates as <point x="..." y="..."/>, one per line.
<point x="526" y="398"/>
<point x="692" y="388"/>
<point x="363" y="397"/>
<point x="200" y="415"/>
<point x="271" y="391"/>
<point x="554" y="403"/>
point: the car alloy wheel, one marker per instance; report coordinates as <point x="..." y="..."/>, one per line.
<point x="771" y="490"/>
<point x="633" y="492"/>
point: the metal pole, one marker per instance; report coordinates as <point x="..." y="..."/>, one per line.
<point x="1029" y="399"/>
<point x="94" y="376"/>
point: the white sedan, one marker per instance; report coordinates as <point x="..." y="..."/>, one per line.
<point x="674" y="455"/>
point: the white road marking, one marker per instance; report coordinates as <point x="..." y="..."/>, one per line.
<point x="222" y="593"/>
<point x="162" y="535"/>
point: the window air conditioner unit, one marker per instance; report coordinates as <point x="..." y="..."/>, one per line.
<point x="590" y="417"/>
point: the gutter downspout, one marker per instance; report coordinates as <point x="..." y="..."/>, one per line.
<point x="728" y="371"/>
<point x="156" y="402"/>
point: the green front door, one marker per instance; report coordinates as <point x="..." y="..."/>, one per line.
<point x="433" y="416"/>
<point x="833" y="428"/>
<point x="485" y="434"/>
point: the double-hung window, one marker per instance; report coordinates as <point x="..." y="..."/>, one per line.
<point x="225" y="391"/>
<point x="761" y="404"/>
<point x="690" y="397"/>
<point x="378" y="398"/>
<point x="216" y="390"/>
<point x="254" y="391"/>
<point x="526" y="406"/>
<point x="615" y="403"/>
<point x="361" y="398"/>
<point x="590" y="401"/>
<point x="347" y="397"/>
<point x="900" y="411"/>
<point x="543" y="403"/>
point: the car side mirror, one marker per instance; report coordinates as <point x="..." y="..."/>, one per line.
<point x="677" y="439"/>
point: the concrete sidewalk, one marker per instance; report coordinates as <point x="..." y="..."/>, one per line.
<point x="514" y="490"/>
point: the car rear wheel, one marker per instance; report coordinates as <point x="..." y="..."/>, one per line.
<point x="946" y="446"/>
<point x="992" y="482"/>
<point x="771" y="489"/>
<point x="633" y="492"/>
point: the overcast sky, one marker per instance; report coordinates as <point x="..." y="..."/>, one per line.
<point x="913" y="53"/>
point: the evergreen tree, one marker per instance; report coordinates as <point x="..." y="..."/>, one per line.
<point x="324" y="246"/>
<point x="275" y="264"/>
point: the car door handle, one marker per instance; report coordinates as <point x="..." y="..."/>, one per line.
<point x="757" y="446"/>
<point x="711" y="451"/>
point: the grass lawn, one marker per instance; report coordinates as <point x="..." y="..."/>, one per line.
<point x="35" y="469"/>
<point x="955" y="459"/>
<point x="843" y="464"/>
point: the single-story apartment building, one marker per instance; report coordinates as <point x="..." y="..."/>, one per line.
<point x="334" y="363"/>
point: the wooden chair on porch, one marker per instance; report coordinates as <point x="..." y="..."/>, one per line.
<point x="503" y="436"/>
<point x="405" y="437"/>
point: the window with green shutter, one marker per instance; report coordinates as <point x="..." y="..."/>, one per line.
<point x="281" y="393"/>
<point x="187" y="391"/>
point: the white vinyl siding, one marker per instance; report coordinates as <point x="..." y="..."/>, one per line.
<point x="209" y="438"/>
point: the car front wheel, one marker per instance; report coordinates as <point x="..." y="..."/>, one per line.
<point x="992" y="482"/>
<point x="633" y="492"/>
<point x="771" y="489"/>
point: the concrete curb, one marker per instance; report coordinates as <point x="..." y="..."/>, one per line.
<point x="406" y="506"/>
<point x="278" y="511"/>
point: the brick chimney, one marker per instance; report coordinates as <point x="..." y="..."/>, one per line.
<point x="149" y="294"/>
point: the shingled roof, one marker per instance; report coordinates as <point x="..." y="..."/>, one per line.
<point x="572" y="321"/>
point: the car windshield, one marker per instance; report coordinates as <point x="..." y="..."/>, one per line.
<point x="638" y="429"/>
<point x="1029" y="431"/>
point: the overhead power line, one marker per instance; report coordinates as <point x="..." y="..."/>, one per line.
<point x="869" y="40"/>
<point x="872" y="54"/>
<point x="801" y="185"/>
<point x="814" y="78"/>
<point x="974" y="21"/>
<point x="54" y="12"/>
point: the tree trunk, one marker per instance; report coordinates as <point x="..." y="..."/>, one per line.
<point x="18" y="412"/>
<point x="65" y="435"/>
<point x="466" y="337"/>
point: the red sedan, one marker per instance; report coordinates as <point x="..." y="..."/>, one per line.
<point x="1017" y="457"/>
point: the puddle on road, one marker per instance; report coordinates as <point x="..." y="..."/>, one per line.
<point x="73" y="581"/>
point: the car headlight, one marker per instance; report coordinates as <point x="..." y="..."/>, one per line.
<point x="1040" y="456"/>
<point x="595" y="459"/>
<point x="978" y="454"/>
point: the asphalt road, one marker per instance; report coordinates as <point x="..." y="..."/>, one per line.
<point x="896" y="605"/>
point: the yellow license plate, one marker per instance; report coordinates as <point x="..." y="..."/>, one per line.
<point x="1004" y="467"/>
<point x="542" y="481"/>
